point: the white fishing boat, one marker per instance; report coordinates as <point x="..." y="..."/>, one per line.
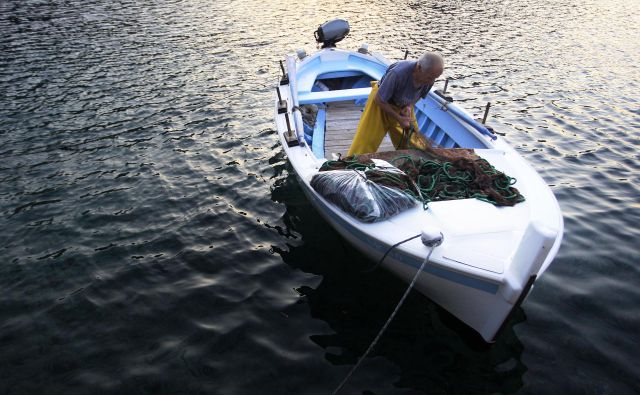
<point x="490" y="256"/>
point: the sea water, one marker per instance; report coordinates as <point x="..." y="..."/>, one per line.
<point x="153" y="238"/>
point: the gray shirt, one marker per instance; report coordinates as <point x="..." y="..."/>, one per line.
<point x="396" y="86"/>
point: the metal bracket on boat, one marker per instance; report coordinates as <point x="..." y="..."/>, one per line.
<point x="285" y="77"/>
<point x="489" y="128"/>
<point x="442" y="94"/>
<point x="282" y="104"/>
<point x="289" y="136"/>
<point x="484" y="119"/>
<point x="486" y="112"/>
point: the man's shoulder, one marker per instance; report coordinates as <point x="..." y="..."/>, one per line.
<point x="402" y="66"/>
<point x="399" y="71"/>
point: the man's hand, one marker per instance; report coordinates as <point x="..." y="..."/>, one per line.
<point x="404" y="117"/>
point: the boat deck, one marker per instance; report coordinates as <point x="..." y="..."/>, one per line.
<point x="342" y="122"/>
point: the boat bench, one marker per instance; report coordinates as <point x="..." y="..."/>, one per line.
<point x="337" y="95"/>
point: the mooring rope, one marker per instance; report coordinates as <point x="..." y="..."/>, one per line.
<point x="374" y="267"/>
<point x="434" y="243"/>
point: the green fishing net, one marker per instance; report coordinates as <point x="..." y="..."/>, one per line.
<point x="437" y="175"/>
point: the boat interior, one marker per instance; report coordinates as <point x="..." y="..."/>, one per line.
<point x="340" y="97"/>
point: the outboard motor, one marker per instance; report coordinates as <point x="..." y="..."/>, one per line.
<point x="329" y="33"/>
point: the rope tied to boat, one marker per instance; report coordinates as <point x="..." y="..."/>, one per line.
<point x="431" y="240"/>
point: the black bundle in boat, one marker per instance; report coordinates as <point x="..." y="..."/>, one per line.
<point x="355" y="192"/>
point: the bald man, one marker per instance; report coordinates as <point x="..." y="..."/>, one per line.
<point x="390" y="104"/>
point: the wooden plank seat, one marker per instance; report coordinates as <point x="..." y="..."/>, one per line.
<point x="333" y="96"/>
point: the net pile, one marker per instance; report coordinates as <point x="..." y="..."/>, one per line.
<point x="439" y="176"/>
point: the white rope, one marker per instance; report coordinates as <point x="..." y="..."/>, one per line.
<point x="386" y="324"/>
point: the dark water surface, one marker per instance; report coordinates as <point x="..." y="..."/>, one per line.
<point x="154" y="240"/>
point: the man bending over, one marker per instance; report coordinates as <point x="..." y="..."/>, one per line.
<point x="390" y="104"/>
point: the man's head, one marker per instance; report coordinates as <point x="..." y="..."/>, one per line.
<point x="429" y="67"/>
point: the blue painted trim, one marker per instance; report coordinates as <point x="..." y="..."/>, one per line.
<point x="455" y="277"/>
<point x="448" y="143"/>
<point x="448" y="275"/>
<point x="309" y="71"/>
<point x="445" y="121"/>
<point x="364" y="82"/>
<point x="338" y="74"/>
<point x="462" y="115"/>
<point x="318" y="134"/>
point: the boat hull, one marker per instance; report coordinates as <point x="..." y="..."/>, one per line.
<point x="476" y="303"/>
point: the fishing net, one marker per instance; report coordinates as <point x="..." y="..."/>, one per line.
<point x="438" y="174"/>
